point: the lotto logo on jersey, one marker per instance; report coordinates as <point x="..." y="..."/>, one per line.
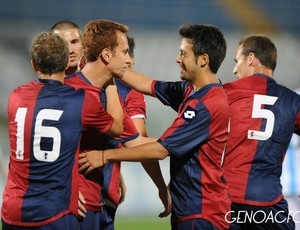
<point x="188" y="114"/>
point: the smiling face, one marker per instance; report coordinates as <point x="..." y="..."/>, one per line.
<point x="186" y="60"/>
<point x="73" y="38"/>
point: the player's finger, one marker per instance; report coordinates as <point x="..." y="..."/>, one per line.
<point x="84" y="167"/>
<point x="80" y="214"/>
<point x="82" y="161"/>
<point x="89" y="169"/>
<point x="82" y="155"/>
<point x="164" y="214"/>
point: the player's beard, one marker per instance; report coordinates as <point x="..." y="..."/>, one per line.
<point x="182" y="77"/>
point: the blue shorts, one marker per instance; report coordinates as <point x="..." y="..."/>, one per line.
<point x="110" y="214"/>
<point x="193" y="224"/>
<point x="96" y="220"/>
<point x="261" y="217"/>
<point x="66" y="222"/>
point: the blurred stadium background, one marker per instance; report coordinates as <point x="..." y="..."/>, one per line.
<point x="154" y="25"/>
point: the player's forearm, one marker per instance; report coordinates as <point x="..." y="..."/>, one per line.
<point x="153" y="170"/>
<point x="145" y="152"/>
<point x="137" y="81"/>
<point x="91" y="160"/>
<point x="114" y="107"/>
<point x="139" y="141"/>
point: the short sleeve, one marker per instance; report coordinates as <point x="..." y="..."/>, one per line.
<point x="170" y="93"/>
<point x="189" y="130"/>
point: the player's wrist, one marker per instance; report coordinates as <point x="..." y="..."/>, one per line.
<point x="104" y="158"/>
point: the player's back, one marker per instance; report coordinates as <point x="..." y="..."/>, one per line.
<point x="45" y="127"/>
<point x="263" y="116"/>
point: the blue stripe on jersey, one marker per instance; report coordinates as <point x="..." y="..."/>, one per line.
<point x="49" y="179"/>
<point x="123" y="89"/>
<point x="171" y="93"/>
<point x="185" y="185"/>
<point x="188" y="135"/>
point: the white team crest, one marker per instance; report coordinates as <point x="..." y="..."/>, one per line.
<point x="189" y="114"/>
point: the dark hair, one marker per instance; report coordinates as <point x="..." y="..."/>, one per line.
<point x="262" y="47"/>
<point x="100" y="34"/>
<point x="206" y="39"/>
<point x="131" y="46"/>
<point x="50" y="53"/>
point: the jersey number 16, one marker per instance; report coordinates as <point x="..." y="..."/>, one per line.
<point x="40" y="131"/>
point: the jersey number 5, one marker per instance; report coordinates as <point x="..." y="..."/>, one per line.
<point x="258" y="112"/>
<point x="40" y="131"/>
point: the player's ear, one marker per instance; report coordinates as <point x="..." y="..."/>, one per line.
<point x="203" y="60"/>
<point x="250" y="57"/>
<point x="106" y="55"/>
<point x="34" y="66"/>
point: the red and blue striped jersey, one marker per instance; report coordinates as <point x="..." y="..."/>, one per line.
<point x="196" y="142"/>
<point x="46" y="120"/>
<point x="134" y="107"/>
<point x="264" y="115"/>
<point x="93" y="185"/>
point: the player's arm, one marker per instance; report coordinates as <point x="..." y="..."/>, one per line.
<point x="137" y="81"/>
<point x="146" y="152"/>
<point x="123" y="189"/>
<point x="115" y="109"/>
<point x="153" y="169"/>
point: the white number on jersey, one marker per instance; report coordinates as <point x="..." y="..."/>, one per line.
<point x="258" y="112"/>
<point x="40" y="132"/>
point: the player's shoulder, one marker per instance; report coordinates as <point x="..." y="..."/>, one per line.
<point x="26" y="86"/>
<point x="79" y="81"/>
<point x="73" y="79"/>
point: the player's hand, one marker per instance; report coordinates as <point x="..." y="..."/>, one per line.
<point x="123" y="189"/>
<point x="81" y="63"/>
<point x="110" y="82"/>
<point x="88" y="161"/>
<point x="165" y="197"/>
<point x="81" y="208"/>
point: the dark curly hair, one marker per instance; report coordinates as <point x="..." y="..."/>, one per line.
<point x="50" y="53"/>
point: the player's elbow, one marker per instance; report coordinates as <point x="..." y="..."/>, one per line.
<point x="162" y="153"/>
<point x="116" y="130"/>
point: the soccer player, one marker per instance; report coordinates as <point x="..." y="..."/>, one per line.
<point x="135" y="107"/>
<point x="71" y="32"/>
<point x="264" y="115"/>
<point x="46" y="119"/>
<point x="105" y="49"/>
<point x="197" y="138"/>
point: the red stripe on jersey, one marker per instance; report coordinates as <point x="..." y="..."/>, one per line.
<point x="135" y="104"/>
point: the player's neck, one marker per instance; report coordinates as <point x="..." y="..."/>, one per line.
<point x="96" y="74"/>
<point x="204" y="80"/>
<point x="55" y="76"/>
<point x="263" y="70"/>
